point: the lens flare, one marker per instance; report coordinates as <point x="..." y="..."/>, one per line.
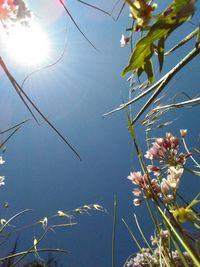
<point x="27" y="45"/>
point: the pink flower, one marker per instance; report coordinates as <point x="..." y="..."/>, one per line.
<point x="165" y="188"/>
<point x="137" y="202"/>
<point x="137" y="192"/>
<point x="136" y="178"/>
<point x="154" y="169"/>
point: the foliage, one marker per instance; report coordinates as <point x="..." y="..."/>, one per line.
<point x="177" y="223"/>
<point x="175" y="241"/>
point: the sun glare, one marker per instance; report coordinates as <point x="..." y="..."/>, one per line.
<point x="27" y="45"/>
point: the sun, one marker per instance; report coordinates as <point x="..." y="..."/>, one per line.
<point x="27" y="45"/>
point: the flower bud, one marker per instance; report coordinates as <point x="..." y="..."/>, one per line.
<point x="183" y="132"/>
<point x="137" y="202"/>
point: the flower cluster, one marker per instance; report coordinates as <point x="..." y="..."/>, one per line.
<point x="149" y="257"/>
<point x="166" y="151"/>
<point x="156" y="255"/>
<point x="145" y="186"/>
<point x="166" y="175"/>
<point x="141" y="12"/>
<point x="14" y="11"/>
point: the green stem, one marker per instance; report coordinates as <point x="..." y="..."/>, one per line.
<point x="114" y="231"/>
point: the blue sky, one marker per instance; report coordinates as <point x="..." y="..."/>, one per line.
<point x="42" y="173"/>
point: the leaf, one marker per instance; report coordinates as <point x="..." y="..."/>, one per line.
<point x="140" y="71"/>
<point x="148" y="68"/>
<point x="140" y="53"/>
<point x="161" y="50"/>
<point x="176" y="14"/>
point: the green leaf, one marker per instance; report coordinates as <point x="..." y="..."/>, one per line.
<point x="161" y="50"/>
<point x="148" y="68"/>
<point x="179" y="12"/>
<point x="140" y="71"/>
<point x="140" y="53"/>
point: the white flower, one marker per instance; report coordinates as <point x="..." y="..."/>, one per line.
<point x="174" y="176"/>
<point x="124" y="40"/>
<point x="2" y="221"/>
<point x="44" y="222"/>
<point x="2" y="178"/>
<point x="1" y="160"/>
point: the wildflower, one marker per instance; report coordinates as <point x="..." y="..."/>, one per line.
<point x="146" y="186"/>
<point x="154" y="169"/>
<point x="164" y="234"/>
<point x="137" y="178"/>
<point x="174" y="176"/>
<point x="61" y="214"/>
<point x="166" y="151"/>
<point x="2" y="178"/>
<point x="44" y="223"/>
<point x="2" y="221"/>
<point x="141" y="12"/>
<point x="15" y="11"/>
<point x="184" y="214"/>
<point x="165" y="188"/>
<point x="137" y="202"/>
<point x="147" y="257"/>
<point x="137" y="192"/>
<point x="124" y="40"/>
<point x="1" y="160"/>
<point x="97" y="207"/>
<point x="155" y="187"/>
<point x="183" y="132"/>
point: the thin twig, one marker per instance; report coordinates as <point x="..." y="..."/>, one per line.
<point x="15" y="126"/>
<point x="21" y="92"/>
<point x="160" y="84"/>
<point x="6" y="140"/>
<point x="78" y="28"/>
<point x="32" y="251"/>
<point x="194" y="101"/>
<point x="95" y="7"/>
<point x="168" y="78"/>
<point x="114" y="230"/>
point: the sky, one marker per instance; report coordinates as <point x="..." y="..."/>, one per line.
<point x="42" y="173"/>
